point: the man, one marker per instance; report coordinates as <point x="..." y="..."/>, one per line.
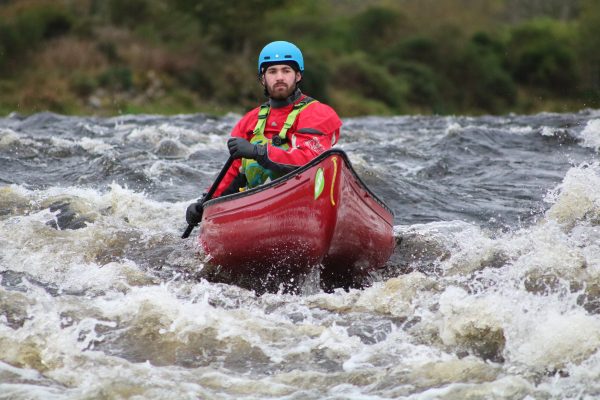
<point x="288" y="131"/>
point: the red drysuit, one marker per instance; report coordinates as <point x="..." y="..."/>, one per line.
<point x="316" y="129"/>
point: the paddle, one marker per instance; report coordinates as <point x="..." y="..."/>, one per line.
<point x="210" y="193"/>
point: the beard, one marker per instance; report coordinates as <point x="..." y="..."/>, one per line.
<point x="280" y="91"/>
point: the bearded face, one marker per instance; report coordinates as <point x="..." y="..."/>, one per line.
<point x="280" y="81"/>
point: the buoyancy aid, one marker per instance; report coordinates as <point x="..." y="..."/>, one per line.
<point x="255" y="173"/>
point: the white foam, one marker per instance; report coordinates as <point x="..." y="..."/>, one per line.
<point x="8" y="137"/>
<point x="585" y="375"/>
<point x="466" y="315"/>
<point x="549" y="339"/>
<point x="23" y="373"/>
<point x="95" y="146"/>
<point x="577" y="196"/>
<point x="591" y="134"/>
<point x="523" y="130"/>
<point x="90" y="316"/>
<point x="453" y="127"/>
<point x="61" y="143"/>
<point x="98" y="130"/>
<point x="73" y="258"/>
<point x="548" y="131"/>
<point x="18" y="391"/>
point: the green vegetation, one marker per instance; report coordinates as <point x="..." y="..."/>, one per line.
<point x="385" y="57"/>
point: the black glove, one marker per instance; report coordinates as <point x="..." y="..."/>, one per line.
<point x="193" y="214"/>
<point x="241" y="148"/>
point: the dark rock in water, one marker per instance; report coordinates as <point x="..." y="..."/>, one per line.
<point x="66" y="218"/>
<point x="203" y="155"/>
<point x="170" y="148"/>
<point x="417" y="252"/>
<point x="371" y="333"/>
<point x="438" y="170"/>
<point x="486" y="343"/>
<point x="13" y="307"/>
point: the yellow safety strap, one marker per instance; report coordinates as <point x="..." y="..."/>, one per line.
<point x="263" y="114"/>
<point x="262" y="119"/>
<point x="289" y="121"/>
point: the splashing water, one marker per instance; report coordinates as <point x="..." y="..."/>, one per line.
<point x="493" y="290"/>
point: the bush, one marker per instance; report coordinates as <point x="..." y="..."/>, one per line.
<point x="44" y="22"/>
<point x="327" y="34"/>
<point x="541" y="57"/>
<point x="316" y="77"/>
<point x="380" y="56"/>
<point x="422" y="82"/>
<point x="231" y="25"/>
<point x="350" y="104"/>
<point x="359" y="73"/>
<point x="116" y="78"/>
<point x="29" y="28"/>
<point x="236" y="83"/>
<point x="376" y="28"/>
<point x="83" y="85"/>
<point x="4" y="56"/>
<point x="588" y="54"/>
<point x="486" y="83"/>
<point x="415" y="49"/>
<point x="198" y="80"/>
<point x="129" y="12"/>
<point x="109" y="50"/>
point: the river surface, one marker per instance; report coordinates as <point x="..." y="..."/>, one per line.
<point x="493" y="291"/>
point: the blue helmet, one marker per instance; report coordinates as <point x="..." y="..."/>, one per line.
<point x="280" y="52"/>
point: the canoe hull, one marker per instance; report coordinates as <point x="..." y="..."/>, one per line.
<point x="319" y="215"/>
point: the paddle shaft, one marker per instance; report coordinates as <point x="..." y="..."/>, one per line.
<point x="209" y="195"/>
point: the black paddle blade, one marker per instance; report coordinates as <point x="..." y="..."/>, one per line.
<point x="191" y="227"/>
<point x="187" y="231"/>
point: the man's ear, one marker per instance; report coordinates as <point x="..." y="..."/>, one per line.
<point x="262" y="79"/>
<point x="298" y="77"/>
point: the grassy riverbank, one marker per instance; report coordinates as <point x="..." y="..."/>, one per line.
<point x="370" y="57"/>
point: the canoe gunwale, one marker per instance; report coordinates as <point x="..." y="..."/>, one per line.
<point x="298" y="171"/>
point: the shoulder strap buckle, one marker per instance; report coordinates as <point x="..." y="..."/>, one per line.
<point x="278" y="140"/>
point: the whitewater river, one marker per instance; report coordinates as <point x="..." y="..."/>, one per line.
<point x="493" y="291"/>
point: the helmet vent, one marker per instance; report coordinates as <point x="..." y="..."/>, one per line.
<point x="287" y="56"/>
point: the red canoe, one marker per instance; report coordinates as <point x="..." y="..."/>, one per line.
<point x="321" y="214"/>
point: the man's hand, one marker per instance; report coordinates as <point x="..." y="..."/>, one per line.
<point x="193" y="214"/>
<point x="241" y="148"/>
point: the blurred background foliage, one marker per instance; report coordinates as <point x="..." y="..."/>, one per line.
<point x="383" y="57"/>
